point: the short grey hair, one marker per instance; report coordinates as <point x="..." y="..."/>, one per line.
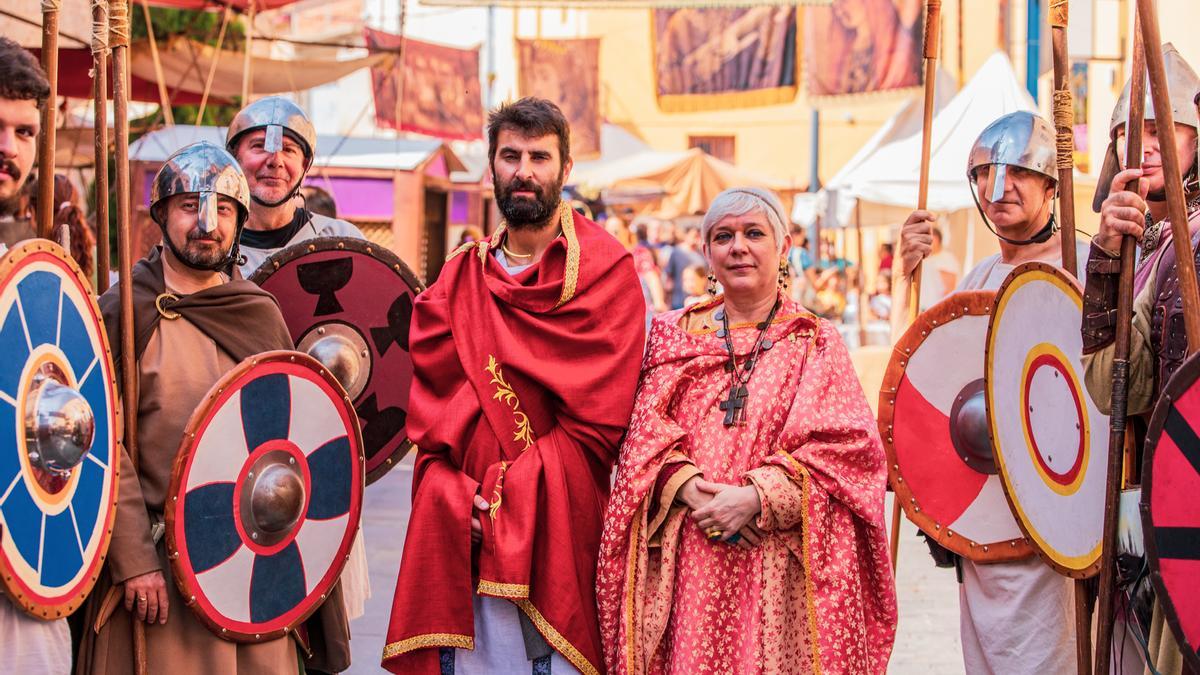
<point x="740" y="201"/>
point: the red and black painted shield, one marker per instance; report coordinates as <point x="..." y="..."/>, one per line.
<point x="59" y="430"/>
<point x="348" y="302"/>
<point x="933" y="421"/>
<point x="1171" y="506"/>
<point x="266" y="495"/>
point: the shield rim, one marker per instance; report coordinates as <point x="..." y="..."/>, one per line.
<point x="203" y="412"/>
<point x="1184" y="378"/>
<point x="1092" y="568"/>
<point x="9" y="261"/>
<point x="298" y="250"/>
<point x="955" y="306"/>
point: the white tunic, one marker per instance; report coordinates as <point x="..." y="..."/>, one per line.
<point x="317" y="226"/>
<point x="28" y="645"/>
<point x="1016" y="617"/>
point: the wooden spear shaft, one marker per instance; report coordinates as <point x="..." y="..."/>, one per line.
<point x="933" y="19"/>
<point x="1064" y="123"/>
<point x="1120" y="367"/>
<point x="46" y="205"/>
<point x="119" y="30"/>
<point x="100" y="97"/>
<point x="1176" y="204"/>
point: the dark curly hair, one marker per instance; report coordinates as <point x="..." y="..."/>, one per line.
<point x="21" y="76"/>
<point x="533" y="118"/>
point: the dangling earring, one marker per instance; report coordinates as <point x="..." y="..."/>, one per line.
<point x="712" y="285"/>
<point x="785" y="274"/>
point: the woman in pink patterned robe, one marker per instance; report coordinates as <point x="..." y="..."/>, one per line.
<point x="757" y="547"/>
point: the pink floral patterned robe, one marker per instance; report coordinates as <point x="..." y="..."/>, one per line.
<point x="817" y="595"/>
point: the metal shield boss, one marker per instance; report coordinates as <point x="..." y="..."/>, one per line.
<point x="347" y="303"/>
<point x="265" y="497"/>
<point x="1171" y="509"/>
<point x="933" y="421"/>
<point x="1051" y="441"/>
<point x="58" y="432"/>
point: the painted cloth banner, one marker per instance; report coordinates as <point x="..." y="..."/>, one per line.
<point x="709" y="59"/>
<point x="864" y="46"/>
<point x="441" y="92"/>
<point x="566" y="72"/>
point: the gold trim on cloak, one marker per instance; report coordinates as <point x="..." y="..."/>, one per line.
<point x="426" y="641"/>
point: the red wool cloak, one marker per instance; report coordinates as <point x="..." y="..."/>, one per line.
<point x="522" y="389"/>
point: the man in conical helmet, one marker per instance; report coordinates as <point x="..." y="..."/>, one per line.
<point x="275" y="144"/>
<point x="195" y="319"/>
<point x="1158" y="343"/>
<point x="1016" y="617"/>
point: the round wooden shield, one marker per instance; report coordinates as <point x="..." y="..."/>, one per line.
<point x="266" y="495"/>
<point x="54" y="525"/>
<point x="934" y="431"/>
<point x="1170" y="507"/>
<point x="1051" y="441"/>
<point x="348" y="303"/>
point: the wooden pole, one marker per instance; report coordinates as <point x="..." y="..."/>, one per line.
<point x="118" y="18"/>
<point x="100" y="125"/>
<point x="1064" y="123"/>
<point x="962" y="61"/>
<point x="400" y="69"/>
<point x="163" y="98"/>
<point x="1120" y="367"/>
<point x="212" y="67"/>
<point x="45" y="214"/>
<point x="247" y="64"/>
<point x="933" y="16"/>
<point x="1176" y="209"/>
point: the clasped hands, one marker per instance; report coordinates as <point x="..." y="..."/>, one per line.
<point x="729" y="510"/>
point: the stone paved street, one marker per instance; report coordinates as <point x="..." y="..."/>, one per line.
<point x="927" y="642"/>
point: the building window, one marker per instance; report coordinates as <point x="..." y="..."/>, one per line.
<point x="721" y="147"/>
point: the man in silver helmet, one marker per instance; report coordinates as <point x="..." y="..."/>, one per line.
<point x="1158" y="343"/>
<point x="1016" y="617"/>
<point x="194" y="320"/>
<point x="275" y="143"/>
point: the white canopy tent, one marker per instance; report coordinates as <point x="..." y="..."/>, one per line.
<point x="878" y="186"/>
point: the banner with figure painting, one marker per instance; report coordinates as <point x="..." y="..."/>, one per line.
<point x="708" y="59"/>
<point x="441" y="94"/>
<point x="566" y="72"/>
<point x="863" y="46"/>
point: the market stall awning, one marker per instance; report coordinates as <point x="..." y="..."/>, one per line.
<point x="682" y="183"/>
<point x="185" y="64"/>
<point x="75" y="81"/>
<point x="391" y="154"/>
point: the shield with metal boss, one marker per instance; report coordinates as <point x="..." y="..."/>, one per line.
<point x="348" y="302"/>
<point x="933" y="421"/>
<point x="59" y="422"/>
<point x="265" y="497"/>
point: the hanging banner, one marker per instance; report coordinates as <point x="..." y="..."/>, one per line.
<point x="863" y="46"/>
<point x="709" y="59"/>
<point x="441" y="94"/>
<point x="566" y="72"/>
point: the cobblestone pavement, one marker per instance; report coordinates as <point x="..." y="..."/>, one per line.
<point x="927" y="641"/>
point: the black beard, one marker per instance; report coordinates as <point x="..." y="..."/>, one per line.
<point x="198" y="258"/>
<point x="528" y="213"/>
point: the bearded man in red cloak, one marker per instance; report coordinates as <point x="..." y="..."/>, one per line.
<point x="526" y="353"/>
